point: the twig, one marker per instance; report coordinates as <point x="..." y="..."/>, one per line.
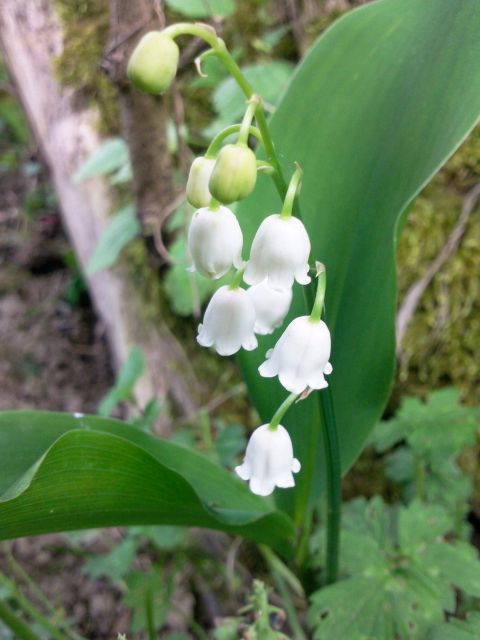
<point x="416" y="291"/>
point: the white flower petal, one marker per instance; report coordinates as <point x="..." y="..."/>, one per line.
<point x="228" y="322"/>
<point x="301" y="356"/>
<point x="261" y="486"/>
<point x="271" y="306"/>
<point x="269" y="460"/>
<point x="214" y="241"/>
<point x="244" y="471"/>
<point x="197" y="191"/>
<point x="280" y="252"/>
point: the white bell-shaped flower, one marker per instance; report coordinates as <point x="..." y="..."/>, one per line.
<point x="197" y="190"/>
<point x="215" y="242"/>
<point x="229" y="322"/>
<point x="271" y="306"/>
<point x="279" y="252"/>
<point x="301" y="356"/>
<point x="269" y="460"/>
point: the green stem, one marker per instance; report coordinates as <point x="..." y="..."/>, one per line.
<point x="325" y="398"/>
<point x="318" y="305"/>
<point x="22" y="575"/>
<point x="216" y="143"/>
<point x="28" y="608"/>
<point x="237" y="279"/>
<point x="150" y="615"/>
<point x="247" y="120"/>
<point x="282" y="410"/>
<point x="293" y="189"/>
<point x="20" y="629"/>
<point x="214" y="205"/>
<point x="208" y="34"/>
<point x="334" y="486"/>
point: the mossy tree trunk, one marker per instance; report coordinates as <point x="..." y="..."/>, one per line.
<point x="66" y="129"/>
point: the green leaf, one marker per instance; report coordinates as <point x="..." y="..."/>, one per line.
<point x="202" y="8"/>
<point x="268" y="79"/>
<point x="111" y="155"/>
<point x="402" y="573"/>
<point x="468" y="629"/>
<point x="381" y="101"/>
<point x="115" y="564"/>
<point x="156" y="587"/>
<point x="230" y="441"/>
<point x="458" y="563"/>
<point x="436" y="432"/>
<point x="122" y="227"/>
<point x="129" y="373"/>
<point x="67" y="472"/>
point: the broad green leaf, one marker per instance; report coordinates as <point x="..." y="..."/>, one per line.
<point x="454" y="629"/>
<point x="111" y="155"/>
<point x="377" y="106"/>
<point x="66" y="472"/>
<point x="122" y="227"/>
<point x="130" y="371"/>
<point x="202" y="8"/>
<point x="459" y="564"/>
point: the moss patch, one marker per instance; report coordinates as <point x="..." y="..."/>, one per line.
<point x="86" y="24"/>
<point x="442" y="343"/>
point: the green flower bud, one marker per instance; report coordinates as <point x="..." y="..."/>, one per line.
<point x="153" y="63"/>
<point x="234" y="174"/>
<point x="198" y="194"/>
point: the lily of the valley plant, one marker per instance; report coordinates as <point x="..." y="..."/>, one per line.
<point x="258" y="298"/>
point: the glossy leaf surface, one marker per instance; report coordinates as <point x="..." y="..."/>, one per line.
<point x="63" y="472"/>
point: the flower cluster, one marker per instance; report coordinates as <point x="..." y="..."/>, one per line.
<point x="279" y="257"/>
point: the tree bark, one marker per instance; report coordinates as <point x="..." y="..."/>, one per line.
<point x="66" y="131"/>
<point x="142" y="116"/>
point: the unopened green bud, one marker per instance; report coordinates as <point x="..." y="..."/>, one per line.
<point x="198" y="193"/>
<point x="153" y="63"/>
<point x="234" y="174"/>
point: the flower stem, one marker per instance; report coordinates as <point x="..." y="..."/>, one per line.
<point x="334" y="486"/>
<point x="15" y="624"/>
<point x="293" y="189"/>
<point x="282" y="410"/>
<point x="214" y="205"/>
<point x="237" y="279"/>
<point x="216" y="143"/>
<point x="253" y="105"/>
<point x="318" y="305"/>
<point x="208" y="34"/>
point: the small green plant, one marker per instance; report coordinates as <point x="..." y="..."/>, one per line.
<point x="427" y="439"/>
<point x="257" y="620"/>
<point x="401" y="572"/>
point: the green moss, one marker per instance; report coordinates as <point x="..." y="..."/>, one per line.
<point x="86" y="24"/>
<point x="442" y="343"/>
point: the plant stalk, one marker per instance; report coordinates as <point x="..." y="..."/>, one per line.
<point x="20" y="629"/>
<point x="333" y="474"/>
